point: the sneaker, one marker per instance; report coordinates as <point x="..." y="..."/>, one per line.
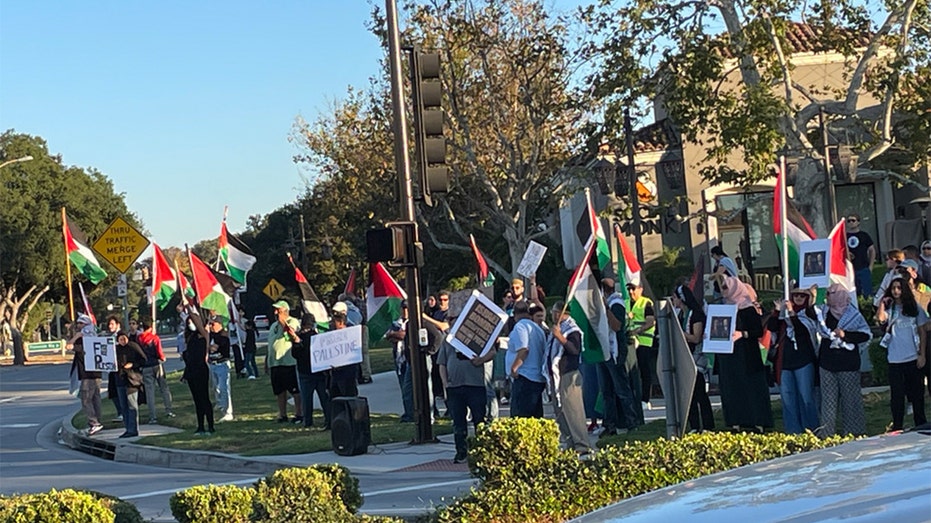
<point x="152" y="421"/>
<point x="228" y="417"/>
<point x="283" y="419"/>
<point x="128" y="435"/>
<point x="94" y="429"/>
<point x="171" y="415"/>
<point x="592" y="426"/>
<point x="461" y="458"/>
<point x="251" y="377"/>
<point x="646" y="405"/>
<point x="200" y="433"/>
<point x="297" y="420"/>
<point x="118" y="418"/>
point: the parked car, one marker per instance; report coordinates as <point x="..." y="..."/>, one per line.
<point x="883" y="478"/>
<point x="261" y="321"/>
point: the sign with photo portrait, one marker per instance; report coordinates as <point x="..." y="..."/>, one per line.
<point x="814" y="259"/>
<point x="477" y="327"/>
<point x="719" y="329"/>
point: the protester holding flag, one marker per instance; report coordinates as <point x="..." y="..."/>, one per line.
<point x="843" y="330"/>
<point x="563" y="355"/>
<point x="796" y="323"/>
<point x="197" y="374"/>
<point x="742" y="375"/>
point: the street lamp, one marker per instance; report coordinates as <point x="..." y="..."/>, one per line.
<point x="17" y="160"/>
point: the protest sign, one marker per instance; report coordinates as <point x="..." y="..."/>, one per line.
<point x="99" y="354"/>
<point x="336" y="348"/>
<point x="477" y="327"/>
<point x="719" y="330"/>
<point x="532" y="258"/>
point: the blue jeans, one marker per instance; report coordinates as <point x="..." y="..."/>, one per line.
<point x="308" y="384"/>
<point x="249" y="361"/>
<point x="527" y="398"/>
<point x="129" y="406"/>
<point x="863" y="279"/>
<point x="459" y="400"/>
<point x="619" y="412"/>
<point x="407" y="390"/>
<point x="403" y="370"/>
<point x="797" y="392"/>
<point x="221" y="383"/>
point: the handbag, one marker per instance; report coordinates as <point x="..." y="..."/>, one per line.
<point x="133" y="378"/>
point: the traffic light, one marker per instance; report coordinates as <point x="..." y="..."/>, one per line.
<point x="395" y="245"/>
<point x="428" y="124"/>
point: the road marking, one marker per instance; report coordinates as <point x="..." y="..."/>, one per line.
<point x="172" y="491"/>
<point x="7" y="400"/>
<point x="417" y="487"/>
<point x="19" y="426"/>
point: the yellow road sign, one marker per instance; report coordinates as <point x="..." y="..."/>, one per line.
<point x="121" y="244"/>
<point x="274" y="289"/>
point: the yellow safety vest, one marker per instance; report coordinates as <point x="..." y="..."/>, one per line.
<point x="638" y="318"/>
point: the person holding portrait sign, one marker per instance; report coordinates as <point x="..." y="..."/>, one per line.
<point x="742" y="374"/>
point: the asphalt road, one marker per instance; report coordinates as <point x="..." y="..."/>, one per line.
<point x="34" y="400"/>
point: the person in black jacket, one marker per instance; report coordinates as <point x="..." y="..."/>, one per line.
<point x="308" y="380"/>
<point x="129" y="361"/>
<point x="219" y="360"/>
<point x="197" y="376"/>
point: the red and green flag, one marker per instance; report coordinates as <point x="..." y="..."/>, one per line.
<point x="796" y="229"/>
<point x="164" y="280"/>
<point x="628" y="270"/>
<point x="591" y="224"/>
<point x="210" y="293"/>
<point x="841" y="267"/>
<point x="485" y="277"/>
<point x="383" y="302"/>
<point x="236" y="255"/>
<point x="311" y="303"/>
<point x="587" y="307"/>
<point x="78" y="251"/>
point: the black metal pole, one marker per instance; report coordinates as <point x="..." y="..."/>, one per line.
<point x="634" y="198"/>
<point x="422" y="409"/>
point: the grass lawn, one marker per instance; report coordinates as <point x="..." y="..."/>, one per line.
<point x="876" y="406"/>
<point x="255" y="431"/>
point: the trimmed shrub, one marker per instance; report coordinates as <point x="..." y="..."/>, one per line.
<point x="124" y="511"/>
<point x="345" y="486"/>
<point x="212" y="504"/>
<point x="54" y="506"/>
<point x="298" y="494"/>
<point x="549" y="487"/>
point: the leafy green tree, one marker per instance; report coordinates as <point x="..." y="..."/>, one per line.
<point x="724" y="72"/>
<point x="32" y="255"/>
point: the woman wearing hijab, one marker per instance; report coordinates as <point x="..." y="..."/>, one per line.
<point x="843" y="329"/>
<point x="742" y="375"/>
<point x="796" y="323"/>
<point x="693" y="318"/>
<point x="905" y="333"/>
<point x="197" y="376"/>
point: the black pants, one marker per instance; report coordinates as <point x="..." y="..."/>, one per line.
<point x="701" y="417"/>
<point x="199" y="386"/>
<point x="905" y="382"/>
<point x="344" y="387"/>
<point x="646" y="360"/>
<point x="239" y="361"/>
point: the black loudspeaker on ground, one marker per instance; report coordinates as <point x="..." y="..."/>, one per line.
<point x="350" y="426"/>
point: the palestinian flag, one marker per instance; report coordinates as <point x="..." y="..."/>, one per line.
<point x="210" y="293"/>
<point x="589" y="231"/>
<point x="164" y="280"/>
<point x="628" y="270"/>
<point x="237" y="257"/>
<point x="841" y="267"/>
<point x="587" y="308"/>
<point x="485" y="277"/>
<point x="797" y="230"/>
<point x="309" y="299"/>
<point x="350" y="283"/>
<point x="383" y="302"/>
<point x="78" y="251"/>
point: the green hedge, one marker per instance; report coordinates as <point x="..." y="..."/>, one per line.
<point x="526" y="478"/>
<point x="54" y="506"/>
<point x="212" y="504"/>
<point x="124" y="511"/>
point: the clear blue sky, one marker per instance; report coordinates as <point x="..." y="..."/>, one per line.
<point x="186" y="106"/>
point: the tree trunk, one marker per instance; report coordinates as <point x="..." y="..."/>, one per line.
<point x="810" y="194"/>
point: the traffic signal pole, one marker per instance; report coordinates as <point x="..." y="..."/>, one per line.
<point x="422" y="409"/>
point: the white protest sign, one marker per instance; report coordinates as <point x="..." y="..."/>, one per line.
<point x="719" y="329"/>
<point x="336" y="348"/>
<point x="99" y="354"/>
<point x="814" y="260"/>
<point x="532" y="258"/>
<point x="477" y="328"/>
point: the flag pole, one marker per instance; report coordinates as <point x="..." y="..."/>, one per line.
<point x="64" y="236"/>
<point x="783" y="225"/>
